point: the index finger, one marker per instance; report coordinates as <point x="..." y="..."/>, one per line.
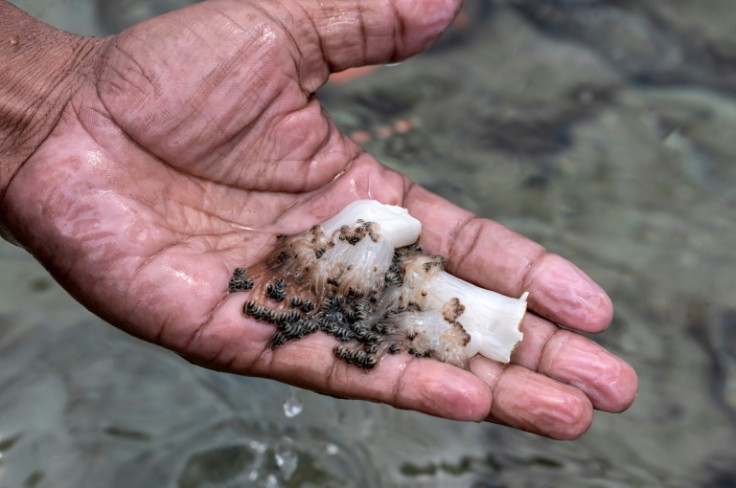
<point x="494" y="257"/>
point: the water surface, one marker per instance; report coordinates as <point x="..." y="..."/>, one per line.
<point x="603" y="130"/>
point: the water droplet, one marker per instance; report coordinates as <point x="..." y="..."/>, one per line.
<point x="332" y="449"/>
<point x="272" y="481"/>
<point x="259" y="447"/>
<point x="292" y="405"/>
<point x="286" y="458"/>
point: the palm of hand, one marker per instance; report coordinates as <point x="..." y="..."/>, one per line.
<point x="198" y="142"/>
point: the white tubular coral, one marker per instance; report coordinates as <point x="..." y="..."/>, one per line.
<point x="492" y="320"/>
<point x="395" y="223"/>
<point x="361" y="277"/>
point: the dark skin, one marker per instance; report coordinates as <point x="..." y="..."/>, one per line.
<point x="143" y="168"/>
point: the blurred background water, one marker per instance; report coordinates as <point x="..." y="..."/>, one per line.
<point x="604" y="129"/>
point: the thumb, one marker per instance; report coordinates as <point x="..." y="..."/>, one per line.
<point x="343" y="34"/>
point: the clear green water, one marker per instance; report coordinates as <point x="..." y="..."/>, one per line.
<point x="604" y="130"/>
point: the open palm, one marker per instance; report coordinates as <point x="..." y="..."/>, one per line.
<point x="197" y="138"/>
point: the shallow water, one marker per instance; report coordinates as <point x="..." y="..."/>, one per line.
<point x="603" y="131"/>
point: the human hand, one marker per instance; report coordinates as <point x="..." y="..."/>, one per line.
<point x="194" y="138"/>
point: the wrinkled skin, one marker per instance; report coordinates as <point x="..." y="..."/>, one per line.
<point x="196" y="137"/>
